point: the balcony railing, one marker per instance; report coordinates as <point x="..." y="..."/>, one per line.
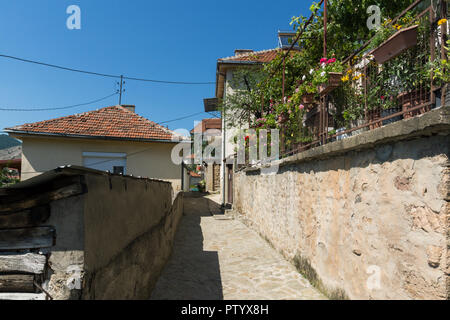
<point x="378" y="88"/>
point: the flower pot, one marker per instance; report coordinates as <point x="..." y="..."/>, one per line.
<point x="334" y="81"/>
<point x="395" y="45"/>
<point x="308" y="98"/>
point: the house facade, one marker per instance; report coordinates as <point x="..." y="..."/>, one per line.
<point x="114" y="139"/>
<point x="226" y="67"/>
<point x="212" y="129"/>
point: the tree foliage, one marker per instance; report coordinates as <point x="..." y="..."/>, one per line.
<point x="346" y="31"/>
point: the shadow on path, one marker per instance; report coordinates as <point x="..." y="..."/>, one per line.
<point x="191" y="272"/>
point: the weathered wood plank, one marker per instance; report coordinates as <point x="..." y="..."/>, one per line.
<point x="27" y="238"/>
<point x="17" y="283"/>
<point x="27" y="218"/>
<point x="38" y="199"/>
<point x="22" y="296"/>
<point x="29" y="262"/>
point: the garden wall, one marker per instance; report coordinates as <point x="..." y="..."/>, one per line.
<point x="376" y="204"/>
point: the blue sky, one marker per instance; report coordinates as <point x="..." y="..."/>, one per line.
<point x="166" y="40"/>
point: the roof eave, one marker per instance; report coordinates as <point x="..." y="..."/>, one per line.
<point x="63" y="135"/>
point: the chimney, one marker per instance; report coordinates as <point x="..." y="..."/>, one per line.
<point x="239" y="52"/>
<point x="129" y="107"/>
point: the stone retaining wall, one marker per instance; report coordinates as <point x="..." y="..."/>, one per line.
<point x="363" y="218"/>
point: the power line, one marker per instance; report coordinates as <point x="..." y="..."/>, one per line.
<point x="103" y="74"/>
<point x="182" y="118"/>
<point x="168" y="82"/>
<point x="59" y="108"/>
<point x="59" y="67"/>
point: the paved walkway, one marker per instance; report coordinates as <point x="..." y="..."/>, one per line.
<point x="215" y="257"/>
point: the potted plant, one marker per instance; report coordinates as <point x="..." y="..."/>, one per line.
<point x="201" y="186"/>
<point x="394" y="38"/>
<point x="396" y="44"/>
<point x="334" y="80"/>
<point x="306" y="92"/>
<point x="328" y="76"/>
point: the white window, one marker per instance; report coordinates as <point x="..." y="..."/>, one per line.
<point x="106" y="161"/>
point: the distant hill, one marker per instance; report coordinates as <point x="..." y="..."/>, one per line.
<point x="8" y="142"/>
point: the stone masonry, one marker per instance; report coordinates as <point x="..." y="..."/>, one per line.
<point x="216" y="257"/>
<point x="363" y="218"/>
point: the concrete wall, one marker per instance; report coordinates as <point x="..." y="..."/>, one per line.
<point x="128" y="235"/>
<point x="66" y="258"/>
<point x="375" y="202"/>
<point x="113" y="240"/>
<point x="152" y="160"/>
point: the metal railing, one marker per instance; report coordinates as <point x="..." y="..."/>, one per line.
<point x="399" y="88"/>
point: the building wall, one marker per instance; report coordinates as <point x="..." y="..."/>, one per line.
<point x="228" y="135"/>
<point x="145" y="159"/>
<point x="209" y="178"/>
<point x="372" y="205"/>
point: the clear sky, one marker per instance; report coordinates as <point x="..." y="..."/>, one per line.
<point x="166" y="40"/>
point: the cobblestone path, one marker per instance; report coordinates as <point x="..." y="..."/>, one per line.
<point x="215" y="257"/>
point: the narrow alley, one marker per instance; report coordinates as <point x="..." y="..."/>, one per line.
<point x="217" y="257"/>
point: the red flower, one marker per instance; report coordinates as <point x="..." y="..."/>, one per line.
<point x="382" y="97"/>
<point x="246" y="138"/>
<point x="332" y="60"/>
<point x="323" y="60"/>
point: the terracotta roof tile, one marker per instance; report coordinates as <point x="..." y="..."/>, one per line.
<point x="109" y="122"/>
<point x="255" y="56"/>
<point x="207" y="124"/>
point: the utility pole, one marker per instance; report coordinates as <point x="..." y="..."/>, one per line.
<point x="120" y="90"/>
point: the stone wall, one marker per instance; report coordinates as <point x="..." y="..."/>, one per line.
<point x="373" y="204"/>
<point x="216" y="177"/>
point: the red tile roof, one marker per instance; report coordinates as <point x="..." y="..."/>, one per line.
<point x="207" y="124"/>
<point x="111" y="122"/>
<point x="255" y="56"/>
